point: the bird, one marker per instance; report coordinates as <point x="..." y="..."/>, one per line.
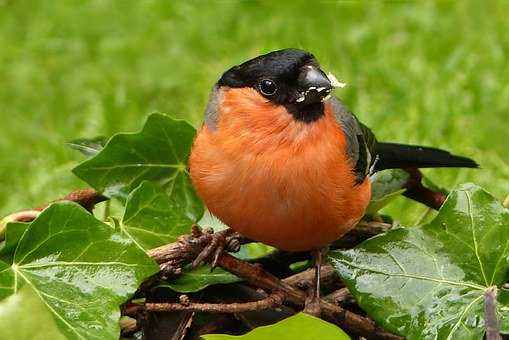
<point x="281" y="160"/>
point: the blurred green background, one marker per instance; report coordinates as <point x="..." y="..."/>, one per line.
<point x="434" y="73"/>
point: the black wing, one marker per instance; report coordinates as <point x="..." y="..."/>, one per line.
<point x="368" y="155"/>
<point x="361" y="142"/>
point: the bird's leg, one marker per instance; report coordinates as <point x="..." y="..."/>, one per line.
<point x="216" y="243"/>
<point x="312" y="305"/>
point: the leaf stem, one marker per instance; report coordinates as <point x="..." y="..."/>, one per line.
<point x="490" y="314"/>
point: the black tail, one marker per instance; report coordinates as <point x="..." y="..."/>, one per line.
<point x="392" y="156"/>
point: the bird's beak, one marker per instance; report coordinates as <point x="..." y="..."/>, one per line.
<point x="314" y="85"/>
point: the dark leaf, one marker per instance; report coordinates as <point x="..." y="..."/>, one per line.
<point x="193" y="280"/>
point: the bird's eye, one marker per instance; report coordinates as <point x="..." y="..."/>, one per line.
<point x="268" y="87"/>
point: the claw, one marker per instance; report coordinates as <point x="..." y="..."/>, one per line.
<point x="219" y="250"/>
<point x="214" y="249"/>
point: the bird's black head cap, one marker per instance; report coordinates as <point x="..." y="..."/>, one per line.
<point x="289" y="77"/>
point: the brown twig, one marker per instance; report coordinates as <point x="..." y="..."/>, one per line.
<point x="339" y="296"/>
<point x="346" y="319"/>
<point x="271" y="301"/>
<point x="418" y="192"/>
<point x="87" y="198"/>
<point x="128" y="325"/>
<point x="305" y="279"/>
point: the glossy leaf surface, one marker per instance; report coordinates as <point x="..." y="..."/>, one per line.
<point x="429" y="281"/>
<point x="193" y="280"/>
<point x="79" y="268"/>
<point x="158" y="153"/>
<point x="153" y="218"/>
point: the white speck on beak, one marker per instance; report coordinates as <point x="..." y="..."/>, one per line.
<point x="335" y="82"/>
<point x="300" y="99"/>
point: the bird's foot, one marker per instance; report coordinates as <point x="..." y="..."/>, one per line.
<point x="312" y="305"/>
<point x="216" y="244"/>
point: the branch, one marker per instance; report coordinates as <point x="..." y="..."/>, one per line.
<point x="188" y="246"/>
<point x="305" y="279"/>
<point x="345" y="319"/>
<point x="339" y="296"/>
<point x="418" y="192"/>
<point x="271" y="301"/>
<point x="128" y="325"/>
<point x="87" y="198"/>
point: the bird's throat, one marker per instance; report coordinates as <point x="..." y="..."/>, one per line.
<point x="306" y="113"/>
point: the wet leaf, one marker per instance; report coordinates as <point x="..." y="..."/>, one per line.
<point x="79" y="267"/>
<point x="158" y="153"/>
<point x="429" y="281"/>
<point x="193" y="280"/>
<point x="88" y="146"/>
<point x="299" y="326"/>
<point x="253" y="251"/>
<point x="153" y="218"/>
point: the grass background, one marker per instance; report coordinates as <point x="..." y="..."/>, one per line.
<point x="433" y="73"/>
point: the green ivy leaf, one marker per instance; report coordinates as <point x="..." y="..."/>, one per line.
<point x="158" y="153"/>
<point x="24" y="316"/>
<point x="193" y="280"/>
<point x="299" y="326"/>
<point x="13" y="233"/>
<point x="7" y="280"/>
<point x="429" y="281"/>
<point x="386" y="186"/>
<point x="79" y="268"/>
<point x="152" y="218"/>
<point x="88" y="146"/>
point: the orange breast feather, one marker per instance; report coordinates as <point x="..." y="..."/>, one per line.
<point x="274" y="179"/>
